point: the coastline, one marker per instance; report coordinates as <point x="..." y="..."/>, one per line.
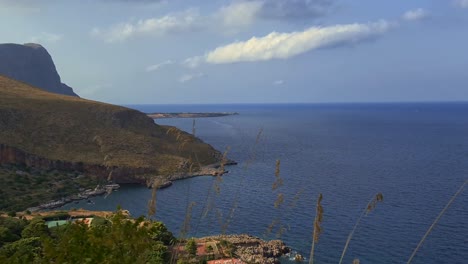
<point x="83" y="195"/>
<point x="212" y="170"/>
<point x="189" y="115"/>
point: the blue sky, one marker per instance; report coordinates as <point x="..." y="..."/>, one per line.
<point x="250" y="51"/>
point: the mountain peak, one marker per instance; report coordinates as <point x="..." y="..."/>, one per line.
<point x="34" y="45"/>
<point x="31" y="63"/>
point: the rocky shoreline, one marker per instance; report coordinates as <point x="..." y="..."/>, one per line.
<point x="85" y="194"/>
<point x="210" y="170"/>
<point x="252" y="249"/>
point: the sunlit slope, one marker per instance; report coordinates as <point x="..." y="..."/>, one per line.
<point x="67" y="128"/>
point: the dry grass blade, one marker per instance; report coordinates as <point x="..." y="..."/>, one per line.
<point x="317" y="228"/>
<point x="219" y="179"/>
<point x="152" y="203"/>
<point x="171" y="130"/>
<point x="271" y="226"/>
<point x="370" y="207"/>
<point x="193" y="127"/>
<point x="278" y="180"/>
<point x="296" y="198"/>
<point x="110" y="176"/>
<point x="436" y="220"/>
<point x="224" y="159"/>
<point x="188" y="218"/>
<point x="279" y="200"/>
<point x="277" y="168"/>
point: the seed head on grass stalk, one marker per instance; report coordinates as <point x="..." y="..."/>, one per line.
<point x="279" y="200"/>
<point x="370" y="207"/>
<point x="188" y="219"/>
<point x="278" y="180"/>
<point x="193" y="127"/>
<point x="152" y="202"/>
<point x="317" y="228"/>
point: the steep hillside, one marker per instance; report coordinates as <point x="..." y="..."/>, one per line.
<point x="32" y="64"/>
<point x="47" y="130"/>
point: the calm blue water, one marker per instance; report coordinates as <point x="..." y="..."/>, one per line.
<point x="415" y="154"/>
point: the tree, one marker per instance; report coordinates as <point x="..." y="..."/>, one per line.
<point x="6" y="236"/>
<point x="36" y="228"/>
<point x="15" y="225"/>
<point x="120" y="240"/>
<point x="191" y="247"/>
<point x="209" y="250"/>
<point x="158" y="231"/>
<point x="25" y="250"/>
<point x="157" y="254"/>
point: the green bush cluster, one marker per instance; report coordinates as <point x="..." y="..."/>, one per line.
<point x="117" y="239"/>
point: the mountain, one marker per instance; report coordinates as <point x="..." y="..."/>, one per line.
<point x="32" y="64"/>
<point x="52" y="131"/>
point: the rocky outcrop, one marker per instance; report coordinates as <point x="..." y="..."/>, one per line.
<point x="32" y="64"/>
<point x="253" y="249"/>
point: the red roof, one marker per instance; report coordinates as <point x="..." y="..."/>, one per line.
<point x="226" y="261"/>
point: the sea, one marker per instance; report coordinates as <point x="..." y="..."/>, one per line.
<point x="415" y="154"/>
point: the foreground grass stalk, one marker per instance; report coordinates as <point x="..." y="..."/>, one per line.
<point x="436" y="220"/>
<point x="317" y="228"/>
<point x="370" y="206"/>
<point x="235" y="203"/>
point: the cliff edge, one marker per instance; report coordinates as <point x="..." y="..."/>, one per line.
<point x="32" y="64"/>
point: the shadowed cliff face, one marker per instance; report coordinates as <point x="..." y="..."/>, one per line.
<point x="32" y="64"/>
<point x="11" y="155"/>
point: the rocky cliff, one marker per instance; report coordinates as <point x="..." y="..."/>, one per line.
<point x="32" y="64"/>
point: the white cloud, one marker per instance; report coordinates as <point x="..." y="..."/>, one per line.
<point x="180" y="22"/>
<point x="416" y="14"/>
<point x="228" y="19"/>
<point x="45" y="37"/>
<point x="278" y="82"/>
<point x="193" y="62"/>
<point x="189" y="77"/>
<point x="158" y="66"/>
<point x="285" y="45"/>
<point x="240" y="14"/>
<point x="461" y="3"/>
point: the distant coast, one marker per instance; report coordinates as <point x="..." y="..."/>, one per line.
<point x="189" y="115"/>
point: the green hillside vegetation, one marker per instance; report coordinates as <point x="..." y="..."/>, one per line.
<point x="23" y="187"/>
<point x="67" y="128"/>
<point x="117" y="239"/>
